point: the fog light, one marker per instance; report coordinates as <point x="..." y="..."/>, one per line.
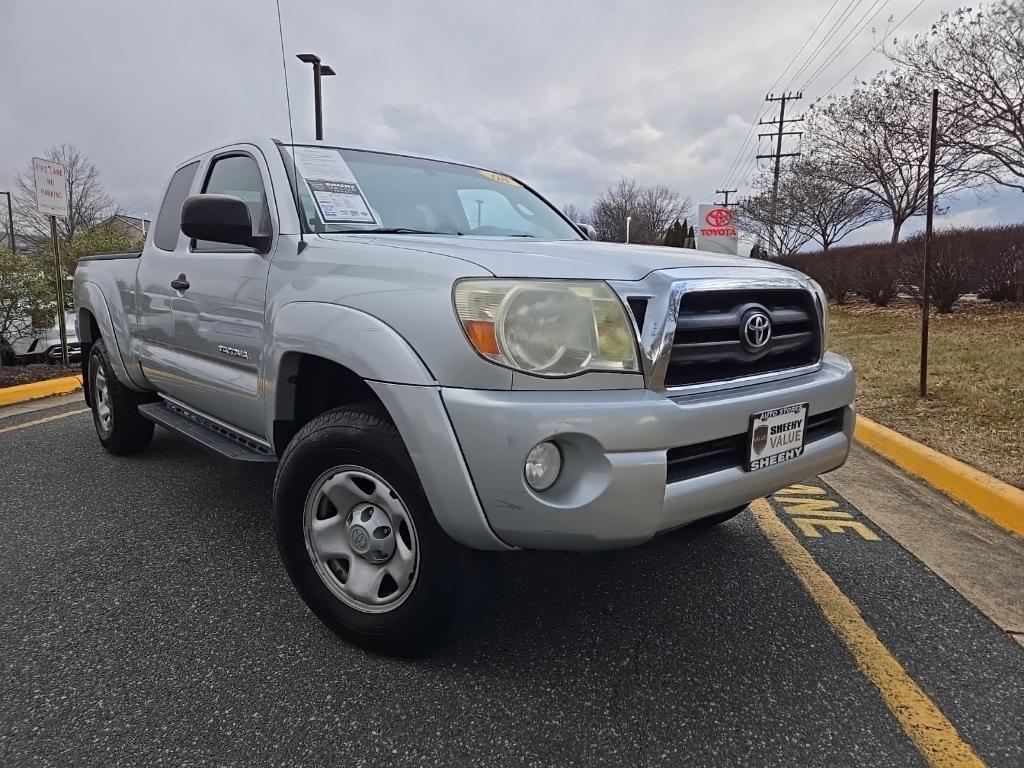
<point x="543" y="464"/>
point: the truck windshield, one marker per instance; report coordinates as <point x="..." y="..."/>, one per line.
<point x="348" y="190"/>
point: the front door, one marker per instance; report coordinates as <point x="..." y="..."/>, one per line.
<point x="218" y="305"/>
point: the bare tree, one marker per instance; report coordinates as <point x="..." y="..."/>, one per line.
<point x="574" y="213"/>
<point x="822" y="206"/>
<point x="756" y="215"/>
<point x="651" y="210"/>
<point x="976" y="58"/>
<point x="88" y="202"/>
<point x="876" y="141"/>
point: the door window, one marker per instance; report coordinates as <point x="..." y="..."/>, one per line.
<point x="238" y="176"/>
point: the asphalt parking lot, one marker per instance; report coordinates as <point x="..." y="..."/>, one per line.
<point x="145" y="619"/>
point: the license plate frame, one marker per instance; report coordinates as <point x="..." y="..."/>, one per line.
<point x="760" y="433"/>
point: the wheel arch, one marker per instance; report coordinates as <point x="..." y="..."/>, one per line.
<point x="323" y="356"/>
<point x="95" y="319"/>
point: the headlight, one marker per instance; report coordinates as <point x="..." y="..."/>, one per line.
<point x="546" y="327"/>
<point x="821" y="299"/>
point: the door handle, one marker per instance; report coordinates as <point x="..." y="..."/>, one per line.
<point x="180" y="283"/>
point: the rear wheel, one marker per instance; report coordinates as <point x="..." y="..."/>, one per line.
<point x="358" y="537"/>
<point x="115" y="411"/>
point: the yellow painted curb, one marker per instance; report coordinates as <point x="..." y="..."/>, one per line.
<point x="24" y="392"/>
<point x="998" y="501"/>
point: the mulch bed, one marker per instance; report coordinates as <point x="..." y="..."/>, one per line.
<point x="12" y="375"/>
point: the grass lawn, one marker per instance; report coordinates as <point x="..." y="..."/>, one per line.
<point x="975" y="409"/>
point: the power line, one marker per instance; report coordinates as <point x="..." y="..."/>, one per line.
<point x="873" y="49"/>
<point x="725" y="192"/>
<point x="762" y="110"/>
<point x="735" y="165"/>
<point x="831" y="33"/>
<point x="809" y="37"/>
<point x="849" y="41"/>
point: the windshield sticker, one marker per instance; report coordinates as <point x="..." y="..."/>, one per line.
<point x="340" y="201"/>
<point x="333" y="187"/>
<point x="317" y="163"/>
<point x="500" y="178"/>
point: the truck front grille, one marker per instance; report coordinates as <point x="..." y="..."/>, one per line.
<point x="707" y="345"/>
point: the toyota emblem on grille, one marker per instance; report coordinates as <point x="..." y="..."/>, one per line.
<point x="755" y="330"/>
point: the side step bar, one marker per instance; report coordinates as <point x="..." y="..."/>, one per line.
<point x="207" y="434"/>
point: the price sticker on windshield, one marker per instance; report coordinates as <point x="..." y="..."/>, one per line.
<point x="333" y="186"/>
<point x="500" y="178"/>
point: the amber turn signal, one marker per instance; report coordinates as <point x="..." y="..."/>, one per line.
<point x="481" y="335"/>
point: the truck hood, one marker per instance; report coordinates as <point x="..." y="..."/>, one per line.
<point x="567" y="259"/>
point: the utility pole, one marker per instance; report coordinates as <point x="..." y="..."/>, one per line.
<point x="925" y="288"/>
<point x="725" y="192"/>
<point x="319" y="70"/>
<point x="778" y="154"/>
<point x="10" y="223"/>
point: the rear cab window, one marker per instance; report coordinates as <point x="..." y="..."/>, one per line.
<point x="168" y="223"/>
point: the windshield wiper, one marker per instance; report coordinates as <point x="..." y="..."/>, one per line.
<point x="395" y="231"/>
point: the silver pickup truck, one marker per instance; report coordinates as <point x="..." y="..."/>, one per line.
<point x="437" y="360"/>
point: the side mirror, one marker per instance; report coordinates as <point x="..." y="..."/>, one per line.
<point x="222" y="219"/>
<point x="588" y="230"/>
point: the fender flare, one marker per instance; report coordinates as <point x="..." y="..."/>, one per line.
<point x="378" y="354"/>
<point x="89" y="298"/>
<point x="364" y="344"/>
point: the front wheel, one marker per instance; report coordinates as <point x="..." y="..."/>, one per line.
<point x="358" y="537"/>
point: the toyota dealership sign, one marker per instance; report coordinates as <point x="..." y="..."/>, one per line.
<point x="717" y="229"/>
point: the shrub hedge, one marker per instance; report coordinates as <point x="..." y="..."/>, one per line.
<point x="988" y="261"/>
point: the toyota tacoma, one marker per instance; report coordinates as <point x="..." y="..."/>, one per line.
<point x="437" y="361"/>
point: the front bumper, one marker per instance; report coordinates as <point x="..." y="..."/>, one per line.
<point x="613" y="490"/>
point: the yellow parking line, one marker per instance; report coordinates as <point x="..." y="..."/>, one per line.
<point x="934" y="736"/>
<point x="26" y="424"/>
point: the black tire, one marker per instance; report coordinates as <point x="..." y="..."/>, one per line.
<point x="362" y="436"/>
<point x="721" y="517"/>
<point x="126" y="432"/>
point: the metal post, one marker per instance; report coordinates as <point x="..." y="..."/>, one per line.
<point x="319" y="108"/>
<point x="60" y="291"/>
<point x="320" y="70"/>
<point x="628" y="219"/>
<point x="925" y="287"/>
<point x="10" y="222"/>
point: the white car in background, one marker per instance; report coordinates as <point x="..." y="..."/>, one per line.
<point x="42" y="345"/>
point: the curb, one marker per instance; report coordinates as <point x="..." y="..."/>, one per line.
<point x="991" y="498"/>
<point x="25" y="392"/>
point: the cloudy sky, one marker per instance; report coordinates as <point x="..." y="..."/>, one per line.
<point x="568" y="94"/>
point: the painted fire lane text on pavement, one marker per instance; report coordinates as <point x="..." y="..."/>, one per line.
<point x="813" y="513"/>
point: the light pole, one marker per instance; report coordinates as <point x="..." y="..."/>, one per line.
<point x="319" y="70"/>
<point x="10" y="222"/>
<point x="628" y="219"/>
